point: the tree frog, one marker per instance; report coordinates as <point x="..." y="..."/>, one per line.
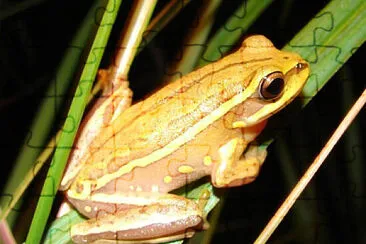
<point x="200" y="125"/>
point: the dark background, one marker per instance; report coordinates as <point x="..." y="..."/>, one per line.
<point x="33" y="40"/>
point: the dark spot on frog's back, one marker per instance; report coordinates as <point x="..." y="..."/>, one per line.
<point x="79" y="187"/>
<point x="286" y="57"/>
<point x="143" y="210"/>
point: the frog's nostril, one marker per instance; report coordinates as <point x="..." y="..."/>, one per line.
<point x="301" y="66"/>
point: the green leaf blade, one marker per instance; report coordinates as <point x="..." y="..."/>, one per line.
<point x="329" y="40"/>
<point x="72" y="122"/>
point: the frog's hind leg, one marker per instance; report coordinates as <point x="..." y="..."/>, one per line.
<point x="104" y="112"/>
<point x="167" y="218"/>
<point x="236" y="169"/>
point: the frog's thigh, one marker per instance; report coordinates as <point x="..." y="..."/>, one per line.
<point x="236" y="169"/>
<point x="170" y="218"/>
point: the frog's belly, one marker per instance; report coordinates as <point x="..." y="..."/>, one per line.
<point x="183" y="166"/>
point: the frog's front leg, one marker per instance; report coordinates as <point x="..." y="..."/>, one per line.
<point x="148" y="218"/>
<point x="236" y="168"/>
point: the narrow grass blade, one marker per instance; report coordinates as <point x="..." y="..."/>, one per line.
<point x="194" y="43"/>
<point x="309" y="174"/>
<point x="323" y="43"/>
<point x="71" y="124"/>
<point x="161" y="20"/>
<point x="129" y="43"/>
<point x="329" y="40"/>
<point x="131" y="38"/>
<point x="27" y="162"/>
<point x="234" y="28"/>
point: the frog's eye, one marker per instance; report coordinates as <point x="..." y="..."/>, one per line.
<point x="271" y="86"/>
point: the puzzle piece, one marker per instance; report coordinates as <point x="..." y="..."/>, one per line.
<point x="300" y="144"/>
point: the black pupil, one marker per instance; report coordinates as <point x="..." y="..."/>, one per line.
<point x="276" y="86"/>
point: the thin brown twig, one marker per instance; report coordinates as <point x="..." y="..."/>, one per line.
<point x="131" y="39"/>
<point x="304" y="181"/>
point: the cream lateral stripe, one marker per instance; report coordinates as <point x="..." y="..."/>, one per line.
<point x="263" y="111"/>
<point x="122" y="198"/>
<point x="113" y="224"/>
<point x="176" y="143"/>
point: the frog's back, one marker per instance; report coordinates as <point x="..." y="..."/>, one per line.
<point x="152" y="124"/>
